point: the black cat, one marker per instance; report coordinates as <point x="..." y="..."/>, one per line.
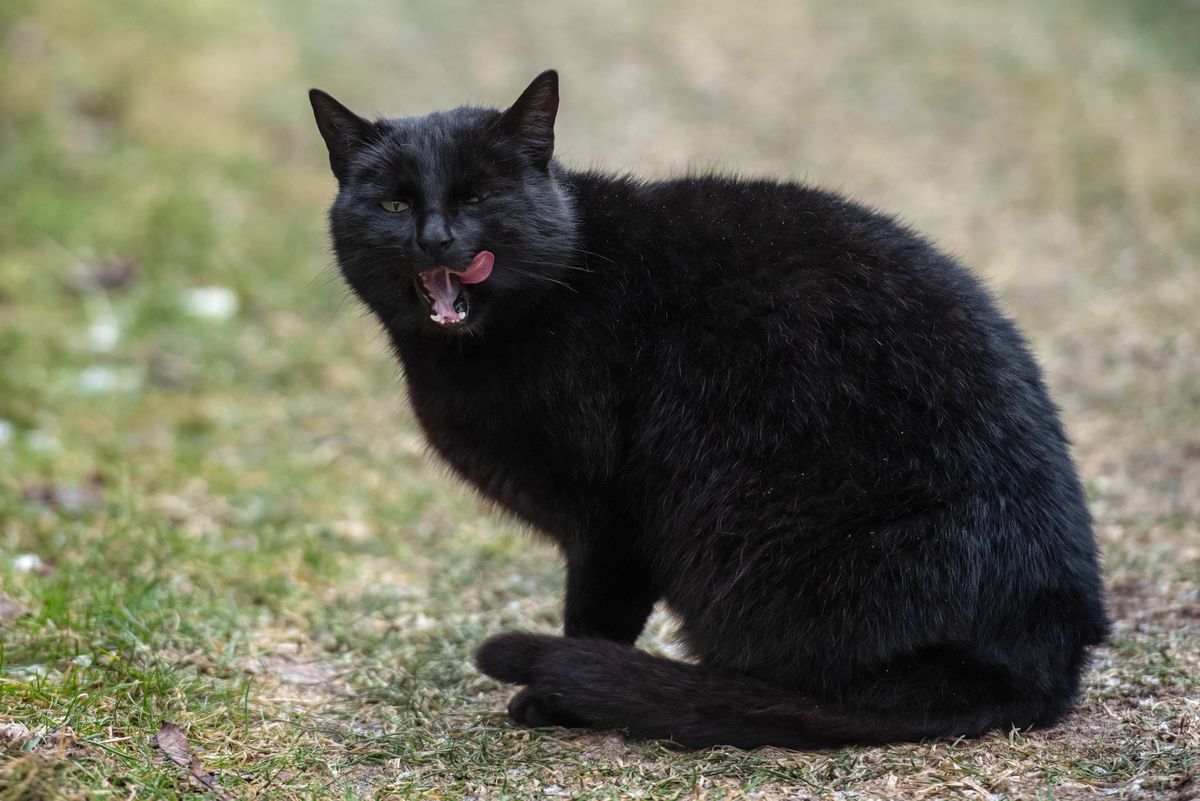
<point x="793" y="420"/>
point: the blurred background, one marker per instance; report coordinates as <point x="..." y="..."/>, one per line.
<point x="210" y="487"/>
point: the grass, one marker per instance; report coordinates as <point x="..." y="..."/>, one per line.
<point x="228" y="522"/>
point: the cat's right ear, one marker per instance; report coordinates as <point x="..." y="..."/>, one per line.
<point x="342" y="129"/>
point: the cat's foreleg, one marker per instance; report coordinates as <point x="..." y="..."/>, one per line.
<point x="608" y="594"/>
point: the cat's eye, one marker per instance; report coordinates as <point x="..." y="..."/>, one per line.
<point x="394" y="206"/>
<point x="475" y="197"/>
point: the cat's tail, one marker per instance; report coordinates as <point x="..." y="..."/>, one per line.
<point x="607" y="685"/>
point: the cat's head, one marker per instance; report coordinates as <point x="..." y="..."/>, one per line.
<point x="451" y="222"/>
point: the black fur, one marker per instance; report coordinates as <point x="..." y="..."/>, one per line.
<point x="793" y="420"/>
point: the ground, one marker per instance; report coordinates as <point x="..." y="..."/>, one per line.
<point x="216" y="511"/>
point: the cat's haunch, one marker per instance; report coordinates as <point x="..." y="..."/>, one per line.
<point x="794" y="421"/>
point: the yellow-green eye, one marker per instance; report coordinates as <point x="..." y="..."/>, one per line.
<point x="394" y="206"/>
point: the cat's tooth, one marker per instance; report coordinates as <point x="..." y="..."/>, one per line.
<point x="433" y="317"/>
<point x="462" y="315"/>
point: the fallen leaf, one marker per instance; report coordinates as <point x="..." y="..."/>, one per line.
<point x="174" y="743"/>
<point x="11" y="609"/>
<point x="68" y="497"/>
<point x="88" y="277"/>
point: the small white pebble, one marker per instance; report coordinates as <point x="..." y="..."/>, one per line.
<point x="41" y="442"/>
<point x="26" y="562"/>
<point x="104" y="334"/>
<point x="210" y="302"/>
<point x="98" y="379"/>
<point x="31" y="672"/>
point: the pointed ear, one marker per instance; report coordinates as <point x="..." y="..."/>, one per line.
<point x="343" y="130"/>
<point x="530" y="120"/>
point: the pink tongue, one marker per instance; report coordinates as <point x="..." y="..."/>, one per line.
<point x="443" y="284"/>
<point x="479" y="269"/>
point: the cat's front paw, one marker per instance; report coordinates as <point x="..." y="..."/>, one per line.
<point x="511" y="657"/>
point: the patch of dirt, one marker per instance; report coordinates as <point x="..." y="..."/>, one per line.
<point x="293" y="677"/>
<point x="45" y="742"/>
<point x="1136" y="604"/>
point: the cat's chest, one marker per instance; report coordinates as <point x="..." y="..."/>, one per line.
<point x="490" y="397"/>
<point x="529" y="429"/>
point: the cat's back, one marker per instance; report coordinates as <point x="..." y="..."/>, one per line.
<point x="772" y="220"/>
<point x="721" y="247"/>
<point x="781" y="270"/>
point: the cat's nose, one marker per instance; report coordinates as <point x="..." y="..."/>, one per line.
<point x="435" y="236"/>
<point x="436" y="243"/>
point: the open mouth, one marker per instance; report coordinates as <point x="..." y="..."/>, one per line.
<point x="445" y="293"/>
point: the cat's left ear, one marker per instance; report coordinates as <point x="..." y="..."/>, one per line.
<point x="342" y="129"/>
<point x="530" y="120"/>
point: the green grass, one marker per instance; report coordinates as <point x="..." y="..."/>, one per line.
<point x="235" y="524"/>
